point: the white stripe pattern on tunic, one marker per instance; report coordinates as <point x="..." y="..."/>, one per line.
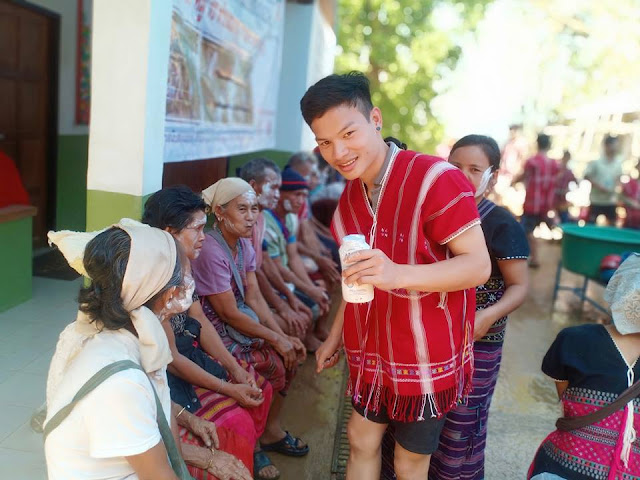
<point x="415" y="312"/>
<point x="393" y="248"/>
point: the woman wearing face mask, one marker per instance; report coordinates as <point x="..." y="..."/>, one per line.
<point x="108" y="406"/>
<point x="204" y="377"/>
<point x="462" y="442"/>
<point x="226" y="283"/>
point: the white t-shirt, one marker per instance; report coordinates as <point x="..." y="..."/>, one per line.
<point x="115" y="420"/>
<point x="607" y="173"/>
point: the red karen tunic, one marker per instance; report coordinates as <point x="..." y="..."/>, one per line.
<point x="408" y="351"/>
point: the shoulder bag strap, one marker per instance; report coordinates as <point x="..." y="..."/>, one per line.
<point x="176" y="460"/>
<point x="566" y="424"/>
<point x="87" y="388"/>
<point x="234" y="268"/>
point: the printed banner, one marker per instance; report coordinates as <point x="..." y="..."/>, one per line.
<point x="224" y="72"/>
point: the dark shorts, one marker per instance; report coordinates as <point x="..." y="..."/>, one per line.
<point x="609" y="211"/>
<point x="420" y="437"/>
<point x="529" y="222"/>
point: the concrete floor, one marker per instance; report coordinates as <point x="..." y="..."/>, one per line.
<point x="523" y="412"/>
<point x="525" y="405"/>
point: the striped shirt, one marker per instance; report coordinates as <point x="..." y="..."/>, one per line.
<point x="540" y="173"/>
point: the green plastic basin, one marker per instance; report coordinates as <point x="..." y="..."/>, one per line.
<point x="584" y="247"/>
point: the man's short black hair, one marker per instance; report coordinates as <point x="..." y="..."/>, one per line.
<point x="544" y="142"/>
<point x="349" y="89"/>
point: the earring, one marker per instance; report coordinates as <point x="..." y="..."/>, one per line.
<point x="378" y="128"/>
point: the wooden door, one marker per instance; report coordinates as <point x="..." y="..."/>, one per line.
<point x="195" y="174"/>
<point x="27" y="84"/>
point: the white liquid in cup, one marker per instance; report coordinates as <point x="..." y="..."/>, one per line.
<point x="354" y="293"/>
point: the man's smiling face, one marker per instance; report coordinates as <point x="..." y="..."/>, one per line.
<point x="347" y="138"/>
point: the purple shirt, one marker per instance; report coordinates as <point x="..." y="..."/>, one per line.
<point x="212" y="269"/>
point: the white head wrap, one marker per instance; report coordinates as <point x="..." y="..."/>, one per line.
<point x="225" y="190"/>
<point x="623" y="295"/>
<point x="151" y="263"/>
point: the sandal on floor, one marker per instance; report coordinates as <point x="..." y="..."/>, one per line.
<point x="261" y="461"/>
<point x="287" y="446"/>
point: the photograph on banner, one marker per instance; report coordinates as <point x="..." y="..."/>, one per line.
<point x="224" y="70"/>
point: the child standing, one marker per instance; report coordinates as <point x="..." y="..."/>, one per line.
<point x="563" y="179"/>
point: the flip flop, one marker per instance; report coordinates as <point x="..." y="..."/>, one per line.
<point x="288" y="445"/>
<point x="260" y="461"/>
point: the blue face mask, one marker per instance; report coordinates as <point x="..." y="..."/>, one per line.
<point x="484" y="182"/>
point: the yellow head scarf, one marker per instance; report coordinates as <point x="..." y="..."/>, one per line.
<point x="225" y="190"/>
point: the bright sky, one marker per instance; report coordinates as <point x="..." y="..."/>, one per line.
<point x="499" y="74"/>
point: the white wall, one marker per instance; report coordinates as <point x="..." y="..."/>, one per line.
<point x="129" y="85"/>
<point x="67" y="9"/>
<point x="307" y="56"/>
<point x="322" y="53"/>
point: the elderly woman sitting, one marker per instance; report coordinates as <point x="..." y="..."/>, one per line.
<point x="108" y="402"/>
<point x="203" y="376"/>
<point x="226" y="283"/>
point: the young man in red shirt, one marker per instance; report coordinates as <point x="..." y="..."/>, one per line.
<point x="539" y="177"/>
<point x="409" y="350"/>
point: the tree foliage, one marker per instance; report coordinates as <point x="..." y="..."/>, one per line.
<point x="405" y="47"/>
<point x="603" y="44"/>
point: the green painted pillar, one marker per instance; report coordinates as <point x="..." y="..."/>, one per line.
<point x="15" y="254"/>
<point x="130" y="62"/>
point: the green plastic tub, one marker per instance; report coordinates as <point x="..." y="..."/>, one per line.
<point x="584" y="247"/>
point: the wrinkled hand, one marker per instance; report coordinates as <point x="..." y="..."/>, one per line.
<point x="328" y="354"/>
<point x="240" y="375"/>
<point x="371" y="267"/>
<point x="482" y="324"/>
<point x="285" y="348"/>
<point x="329" y="268"/>
<point x="300" y="307"/>
<point x="205" y="430"/>
<point x="246" y="396"/>
<point x="296" y="322"/>
<point x="227" y="467"/>
<point x="321" y="297"/>
<point x="301" y="351"/>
